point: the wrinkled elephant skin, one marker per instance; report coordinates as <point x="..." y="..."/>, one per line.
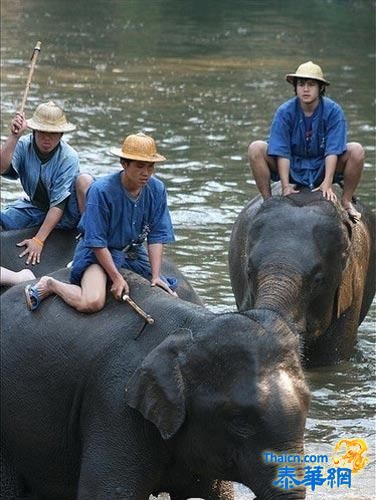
<point x="302" y="257"/>
<point x="102" y="406"/>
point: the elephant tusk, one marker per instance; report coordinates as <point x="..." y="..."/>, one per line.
<point x="138" y="309"/>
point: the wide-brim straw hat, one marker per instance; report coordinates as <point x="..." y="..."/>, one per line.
<point x="139" y="147"/>
<point x="49" y="117"/>
<point x="307" y="70"/>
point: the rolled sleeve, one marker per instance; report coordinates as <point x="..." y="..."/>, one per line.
<point x="61" y="184"/>
<point x="280" y="136"/>
<point x="161" y="230"/>
<point x="96" y="220"/>
<point x="336" y="141"/>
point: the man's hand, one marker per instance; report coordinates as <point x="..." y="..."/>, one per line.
<point x="289" y="189"/>
<point x="119" y="287"/>
<point x="33" y="250"/>
<point x="159" y="282"/>
<point x="18" y="124"/>
<point x="327" y="191"/>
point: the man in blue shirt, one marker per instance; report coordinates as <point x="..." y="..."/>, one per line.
<point x="307" y="144"/>
<point x="48" y="169"/>
<point x="123" y="210"/>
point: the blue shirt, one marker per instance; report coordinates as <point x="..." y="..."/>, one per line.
<point x="288" y="139"/>
<point x="57" y="174"/>
<point x="114" y="219"/>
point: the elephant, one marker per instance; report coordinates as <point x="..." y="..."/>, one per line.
<point x="301" y="256"/>
<point x="58" y="252"/>
<point x="107" y="406"/>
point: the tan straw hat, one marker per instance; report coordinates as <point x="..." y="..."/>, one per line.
<point x="138" y="147"/>
<point x="49" y="117"/>
<point x="307" y="70"/>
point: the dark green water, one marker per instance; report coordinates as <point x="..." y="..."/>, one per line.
<point x="204" y="78"/>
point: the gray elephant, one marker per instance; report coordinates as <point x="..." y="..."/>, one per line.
<point x="58" y="252"/>
<point x="302" y="257"/>
<point x="105" y="406"/>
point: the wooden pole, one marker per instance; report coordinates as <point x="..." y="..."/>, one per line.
<point x="34" y="57"/>
<point x="138" y="309"/>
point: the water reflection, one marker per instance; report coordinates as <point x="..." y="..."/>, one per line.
<point x="205" y="78"/>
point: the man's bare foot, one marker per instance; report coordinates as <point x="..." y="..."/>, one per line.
<point x="354" y="215"/>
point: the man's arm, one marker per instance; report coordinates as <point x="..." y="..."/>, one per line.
<point x="327" y="184"/>
<point x="283" y="165"/>
<point x="17" y="128"/>
<point x="155" y="251"/>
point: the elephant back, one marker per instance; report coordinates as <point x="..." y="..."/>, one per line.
<point x="60" y="331"/>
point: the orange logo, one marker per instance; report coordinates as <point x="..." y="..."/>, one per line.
<point x="353" y="454"/>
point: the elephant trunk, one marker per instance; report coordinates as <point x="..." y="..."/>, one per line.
<point x="281" y="291"/>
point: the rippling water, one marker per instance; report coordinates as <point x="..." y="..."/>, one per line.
<point x="204" y="78"/>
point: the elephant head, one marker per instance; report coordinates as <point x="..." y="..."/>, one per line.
<point x="301" y="257"/>
<point x="225" y="395"/>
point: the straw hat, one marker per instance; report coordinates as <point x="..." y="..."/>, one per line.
<point x="138" y="147"/>
<point x="49" y="117"/>
<point x="307" y="70"/>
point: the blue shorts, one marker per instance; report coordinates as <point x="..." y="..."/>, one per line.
<point x="22" y="214"/>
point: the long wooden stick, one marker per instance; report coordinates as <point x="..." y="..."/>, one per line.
<point x="34" y="57"/>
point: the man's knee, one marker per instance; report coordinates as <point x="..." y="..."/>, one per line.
<point x="83" y="181"/>
<point x="12" y="218"/>
<point x="91" y="306"/>
<point x="257" y="150"/>
<point x="356" y="152"/>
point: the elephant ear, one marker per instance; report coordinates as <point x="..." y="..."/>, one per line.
<point x="351" y="288"/>
<point x="157" y="390"/>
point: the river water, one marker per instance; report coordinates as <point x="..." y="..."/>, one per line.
<point x="204" y="78"/>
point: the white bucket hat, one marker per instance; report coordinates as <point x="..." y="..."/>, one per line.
<point x="49" y="117"/>
<point x="307" y="70"/>
<point x="138" y="147"/>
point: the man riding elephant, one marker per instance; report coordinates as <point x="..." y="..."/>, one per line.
<point x="48" y="169"/>
<point x="123" y="210"/>
<point x="307" y="144"/>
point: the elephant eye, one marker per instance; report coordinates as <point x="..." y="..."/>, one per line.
<point x="317" y="277"/>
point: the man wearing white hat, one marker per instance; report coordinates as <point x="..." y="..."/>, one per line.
<point x="48" y="169"/>
<point x="308" y="145"/>
<point x="123" y="210"/>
